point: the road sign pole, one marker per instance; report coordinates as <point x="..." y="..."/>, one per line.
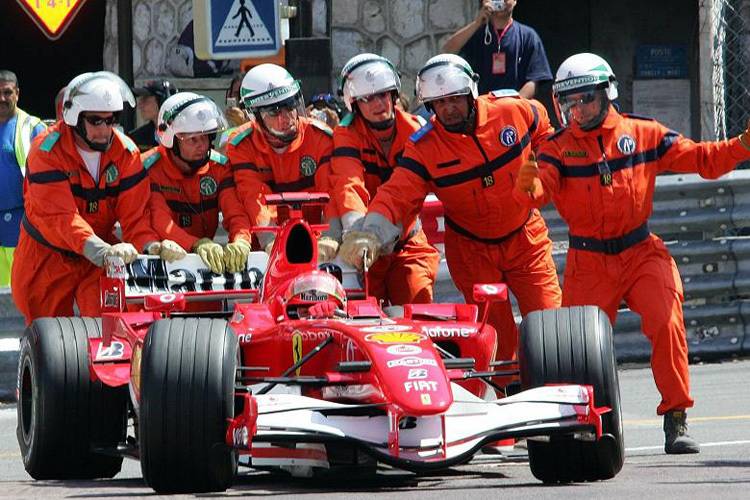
<point x="125" y="54"/>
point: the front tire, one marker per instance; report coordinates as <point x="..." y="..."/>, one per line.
<point x="187" y="390"/>
<point x="574" y="345"/>
<point x="62" y="414"/>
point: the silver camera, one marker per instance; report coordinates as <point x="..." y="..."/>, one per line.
<point x="498" y="5"/>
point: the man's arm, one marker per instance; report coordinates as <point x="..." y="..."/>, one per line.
<point x="454" y="44"/>
<point x="528" y="90"/>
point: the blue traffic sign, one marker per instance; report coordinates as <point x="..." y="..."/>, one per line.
<point x="232" y="29"/>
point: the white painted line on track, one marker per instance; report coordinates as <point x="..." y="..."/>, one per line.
<point x="703" y="445"/>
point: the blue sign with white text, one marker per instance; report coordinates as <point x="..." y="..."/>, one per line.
<point x="661" y="61"/>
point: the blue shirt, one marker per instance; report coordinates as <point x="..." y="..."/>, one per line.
<point x="525" y="60"/>
<point x="11" y="184"/>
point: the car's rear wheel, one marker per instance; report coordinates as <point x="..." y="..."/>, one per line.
<point x="64" y="416"/>
<point x="187" y="389"/>
<point x="574" y="345"/>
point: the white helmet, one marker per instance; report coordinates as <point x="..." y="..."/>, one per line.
<point x="99" y="91"/>
<point x="583" y="73"/>
<point x="367" y="74"/>
<point x="446" y="75"/>
<point x="188" y="113"/>
<point x="268" y="84"/>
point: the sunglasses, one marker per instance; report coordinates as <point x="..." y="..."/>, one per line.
<point x="95" y="121"/>
<point x="275" y="111"/>
<point x="582" y="99"/>
<point x="380" y="96"/>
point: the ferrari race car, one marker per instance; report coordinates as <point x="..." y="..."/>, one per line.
<point x="195" y="373"/>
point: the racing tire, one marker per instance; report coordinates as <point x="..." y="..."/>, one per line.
<point x="574" y="345"/>
<point x="187" y="398"/>
<point x="63" y="415"/>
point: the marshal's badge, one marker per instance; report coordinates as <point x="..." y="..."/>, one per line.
<point x="508" y="136"/>
<point x="626" y="144"/>
<point x="208" y="185"/>
<point x="307" y="166"/>
<point x="111" y="173"/>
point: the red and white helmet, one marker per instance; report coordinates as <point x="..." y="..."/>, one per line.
<point x="313" y="287"/>
<point x="446" y="75"/>
<point x="582" y="73"/>
<point x="367" y="74"/>
<point x="99" y="91"/>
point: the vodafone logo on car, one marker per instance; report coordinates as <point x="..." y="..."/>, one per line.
<point x="441" y="332"/>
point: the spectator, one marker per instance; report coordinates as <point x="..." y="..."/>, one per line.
<point x="600" y="171"/>
<point x="17" y="129"/>
<point x="190" y="183"/>
<point x="403" y="103"/>
<point x="83" y="177"/>
<point x="150" y="98"/>
<point x="326" y="108"/>
<point x="505" y="53"/>
<point x="235" y="110"/>
<point x="59" y="103"/>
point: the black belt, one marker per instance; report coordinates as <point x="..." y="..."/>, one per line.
<point x="492" y="241"/>
<point x="612" y="246"/>
<point x="36" y="235"/>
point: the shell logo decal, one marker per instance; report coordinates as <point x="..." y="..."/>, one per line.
<point x="395" y="338"/>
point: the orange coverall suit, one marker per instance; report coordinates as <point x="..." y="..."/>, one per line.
<point x="489" y="237"/>
<point x="186" y="208"/>
<point x="259" y="170"/>
<point x="602" y="183"/>
<point x="359" y="166"/>
<point x="64" y="206"/>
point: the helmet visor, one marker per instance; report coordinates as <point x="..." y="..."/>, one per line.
<point x="443" y="80"/>
<point x="586" y="108"/>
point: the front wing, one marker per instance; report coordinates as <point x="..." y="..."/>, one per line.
<point x="288" y="429"/>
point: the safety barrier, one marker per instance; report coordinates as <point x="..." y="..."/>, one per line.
<point x="704" y="224"/>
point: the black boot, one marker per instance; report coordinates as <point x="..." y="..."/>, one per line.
<point x="677" y="441"/>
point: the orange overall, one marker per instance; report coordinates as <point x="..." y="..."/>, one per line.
<point x="602" y="183"/>
<point x="186" y="208"/>
<point x="64" y="207"/>
<point x="358" y="168"/>
<point x="489" y="237"/>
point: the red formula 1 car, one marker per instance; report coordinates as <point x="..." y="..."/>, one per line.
<point x="292" y="367"/>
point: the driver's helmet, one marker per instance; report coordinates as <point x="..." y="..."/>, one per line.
<point x="98" y="91"/>
<point x="188" y="113"/>
<point x="367" y="74"/>
<point x="446" y="75"/>
<point x="583" y="74"/>
<point x="311" y="288"/>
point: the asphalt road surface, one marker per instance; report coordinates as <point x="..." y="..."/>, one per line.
<point x="720" y="421"/>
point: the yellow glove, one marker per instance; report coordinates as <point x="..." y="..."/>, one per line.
<point x="167" y="250"/>
<point x="528" y="175"/>
<point x="211" y="253"/>
<point x="235" y="255"/>
<point x="745" y="136"/>
<point x="327" y="248"/>
<point x="125" y="251"/>
<point x="354" y="245"/>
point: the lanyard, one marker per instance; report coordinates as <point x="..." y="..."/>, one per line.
<point x="501" y="35"/>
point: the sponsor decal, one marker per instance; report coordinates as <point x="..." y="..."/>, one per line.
<point x="508" y="136"/>
<point x="426" y="400"/>
<point x="297" y="348"/>
<point x="307" y="166"/>
<point x="244" y="338"/>
<point x="441" y="332"/>
<point x="314" y="336"/>
<point x="403" y="350"/>
<point x="208" y="185"/>
<point x="116" y="350"/>
<point x="575" y="154"/>
<point x="411" y="361"/>
<point x="240" y="436"/>
<point x="385" y="328"/>
<point x="112" y="299"/>
<point x="420" y="385"/>
<point x="395" y="338"/>
<point x="417" y="373"/>
<point x="626" y="144"/>
<point x="166" y="298"/>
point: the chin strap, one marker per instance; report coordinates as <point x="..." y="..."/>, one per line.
<point x="80" y="129"/>
<point x="193" y="164"/>
<point x="465" y="125"/>
<point x="380" y="126"/>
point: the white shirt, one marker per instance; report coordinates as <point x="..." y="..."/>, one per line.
<point x="92" y="160"/>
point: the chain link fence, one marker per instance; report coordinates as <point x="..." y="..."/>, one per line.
<point x="731" y="66"/>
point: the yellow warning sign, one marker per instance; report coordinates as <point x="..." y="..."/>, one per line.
<point x="52" y="16"/>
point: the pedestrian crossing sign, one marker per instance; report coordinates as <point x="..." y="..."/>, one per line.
<point x="232" y="29"/>
<point x="52" y="16"/>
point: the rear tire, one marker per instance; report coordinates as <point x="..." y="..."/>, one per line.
<point x="574" y="345"/>
<point x="187" y="396"/>
<point x="62" y="413"/>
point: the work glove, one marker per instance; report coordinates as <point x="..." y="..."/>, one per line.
<point x="528" y="175"/>
<point x="268" y="248"/>
<point x="327" y="248"/>
<point x="211" y="253"/>
<point x="355" y="244"/>
<point x="325" y="309"/>
<point x="167" y="250"/>
<point x="125" y="251"/>
<point x="235" y="255"/>
<point x="745" y="136"/>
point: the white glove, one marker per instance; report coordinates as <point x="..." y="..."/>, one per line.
<point x="327" y="248"/>
<point x="354" y="245"/>
<point x="268" y="248"/>
<point x="125" y="251"/>
<point x="167" y="250"/>
<point x="211" y="253"/>
<point x="235" y="255"/>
